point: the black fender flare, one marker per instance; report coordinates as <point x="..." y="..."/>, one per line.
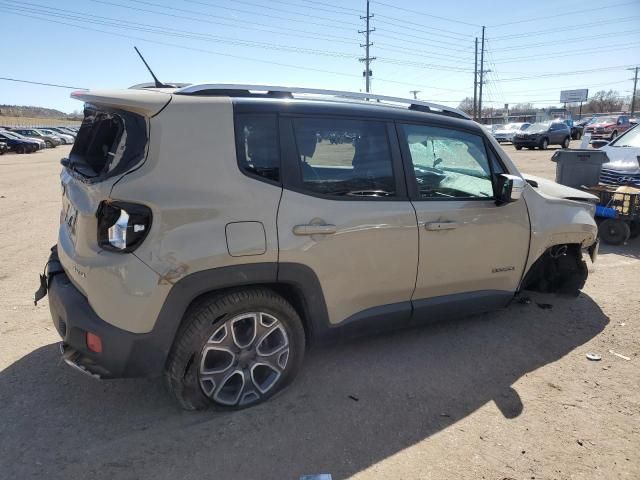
<point x="301" y="278"/>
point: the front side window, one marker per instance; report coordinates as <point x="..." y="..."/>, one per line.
<point x="344" y="158"/>
<point x="257" y="145"/>
<point x="448" y="164"/>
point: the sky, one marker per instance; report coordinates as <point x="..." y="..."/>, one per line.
<point x="533" y="49"/>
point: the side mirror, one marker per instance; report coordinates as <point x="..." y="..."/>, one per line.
<point x="599" y="143"/>
<point x="508" y="188"/>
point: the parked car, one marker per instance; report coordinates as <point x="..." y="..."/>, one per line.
<point x="66" y="138"/>
<point x="4" y="148"/>
<point x="542" y="135"/>
<point x="51" y="141"/>
<point x="505" y="133"/>
<point x="576" y="129"/>
<point x="624" y="154"/>
<point x="41" y="145"/>
<point x="64" y="131"/>
<point x="168" y="267"/>
<point x="17" y="144"/>
<point x="608" y="127"/>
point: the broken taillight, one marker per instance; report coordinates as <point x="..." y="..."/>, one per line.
<point x="122" y="227"/>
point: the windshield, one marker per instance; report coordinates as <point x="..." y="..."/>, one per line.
<point x="11" y="134"/>
<point x="629" y="139"/>
<point x="538" y="127"/>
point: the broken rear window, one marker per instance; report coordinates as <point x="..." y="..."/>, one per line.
<point x="109" y="142"/>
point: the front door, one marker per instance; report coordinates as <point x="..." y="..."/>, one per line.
<point x="472" y="252"/>
<point x="344" y="213"/>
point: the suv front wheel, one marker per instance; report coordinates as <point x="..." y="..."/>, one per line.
<point x="235" y="350"/>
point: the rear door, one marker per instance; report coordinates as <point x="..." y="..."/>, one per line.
<point x="472" y="252"/>
<point x="344" y="213"/>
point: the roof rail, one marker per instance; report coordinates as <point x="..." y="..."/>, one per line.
<point x="231" y="89"/>
<point x="139" y="86"/>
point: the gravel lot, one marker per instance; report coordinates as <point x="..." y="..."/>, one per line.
<point x="507" y="395"/>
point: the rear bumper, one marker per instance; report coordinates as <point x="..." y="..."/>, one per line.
<point x="124" y="354"/>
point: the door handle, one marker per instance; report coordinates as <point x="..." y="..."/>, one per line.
<point x="314" y="229"/>
<point x="433" y="226"/>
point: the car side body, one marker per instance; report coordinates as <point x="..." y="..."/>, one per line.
<point x="251" y="196"/>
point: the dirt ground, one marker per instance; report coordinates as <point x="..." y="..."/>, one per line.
<point x="507" y="395"/>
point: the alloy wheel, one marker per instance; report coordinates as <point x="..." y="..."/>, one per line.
<point x="244" y="359"/>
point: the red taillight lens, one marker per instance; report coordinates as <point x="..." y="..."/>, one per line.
<point x="94" y="342"/>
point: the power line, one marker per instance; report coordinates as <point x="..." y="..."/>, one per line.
<point x="243" y="23"/>
<point x="561" y="74"/>
<point x="570" y="53"/>
<point x="546" y="17"/>
<point x="416" y="12"/>
<point x="41" y="83"/>
<point x="565" y="28"/>
<point x="166" y="31"/>
<point x="564" y="40"/>
<point x="211" y="52"/>
<point x="262" y="14"/>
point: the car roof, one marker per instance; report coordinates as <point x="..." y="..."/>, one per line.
<point x="371" y="110"/>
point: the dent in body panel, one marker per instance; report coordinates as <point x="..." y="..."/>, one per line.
<point x="194" y="198"/>
<point x="106" y="276"/>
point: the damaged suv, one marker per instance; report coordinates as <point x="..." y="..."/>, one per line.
<point x="211" y="233"/>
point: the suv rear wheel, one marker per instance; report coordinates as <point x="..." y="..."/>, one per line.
<point x="235" y="350"/>
<point x="565" y="142"/>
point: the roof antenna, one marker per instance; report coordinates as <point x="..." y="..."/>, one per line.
<point x="158" y="83"/>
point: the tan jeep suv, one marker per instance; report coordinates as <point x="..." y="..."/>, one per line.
<point x="211" y="233"/>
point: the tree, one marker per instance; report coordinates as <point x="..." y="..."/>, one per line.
<point x="523" y="107"/>
<point x="603" y="101"/>
<point x="466" y="105"/>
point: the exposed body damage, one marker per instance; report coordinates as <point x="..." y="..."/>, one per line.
<point x="200" y="239"/>
<point x="561" y="226"/>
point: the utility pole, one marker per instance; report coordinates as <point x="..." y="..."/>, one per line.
<point x="367" y="59"/>
<point x="475" y="84"/>
<point x="414" y="93"/>
<point x="635" y="89"/>
<point x="481" y="77"/>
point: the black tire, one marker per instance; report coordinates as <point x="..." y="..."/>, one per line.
<point x="614" y="135"/>
<point x="634" y="229"/>
<point x="544" y="144"/>
<point x="614" y="232"/>
<point x="578" y="135"/>
<point x="518" y="147"/>
<point x="49" y="144"/>
<point x="20" y="149"/>
<point x="204" y="321"/>
<point x="566" y="142"/>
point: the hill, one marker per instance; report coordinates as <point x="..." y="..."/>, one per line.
<point x="37" y="112"/>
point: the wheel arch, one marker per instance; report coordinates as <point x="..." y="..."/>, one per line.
<point x="296" y="283"/>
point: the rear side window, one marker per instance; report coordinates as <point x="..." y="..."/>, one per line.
<point x="108" y="143"/>
<point x="448" y="164"/>
<point x="344" y="158"/>
<point x="257" y="145"/>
